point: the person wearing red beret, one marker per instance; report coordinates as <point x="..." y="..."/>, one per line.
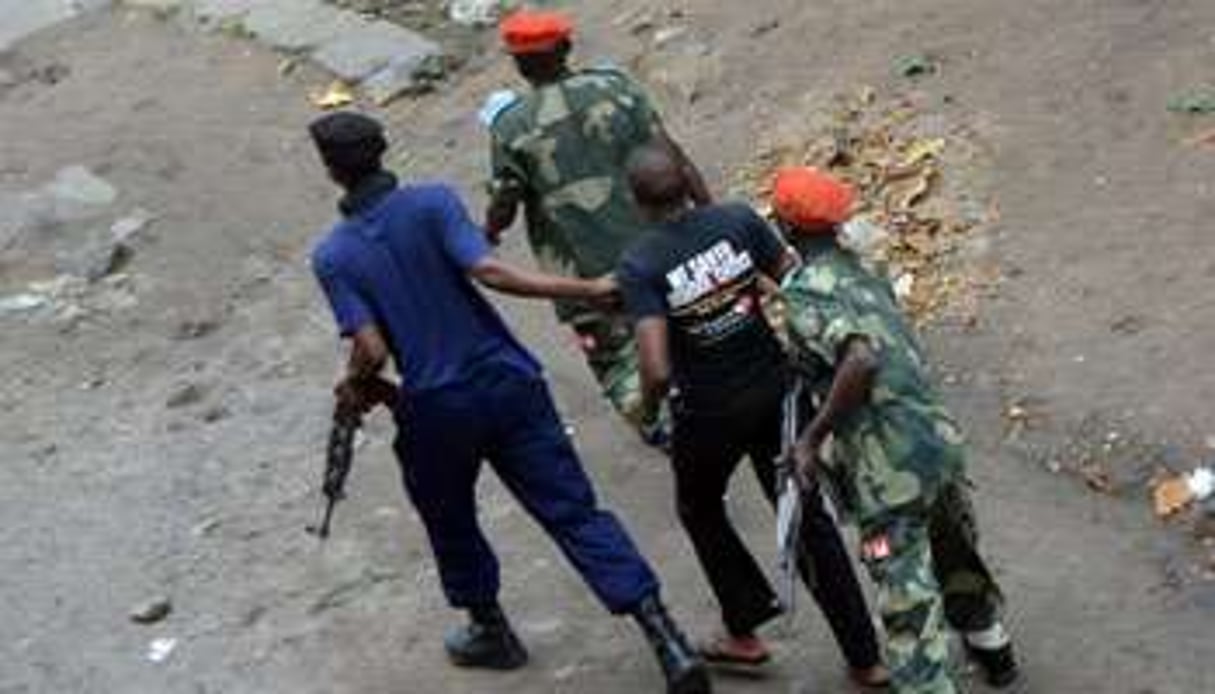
<point x="897" y="456"/>
<point x="558" y="153"/>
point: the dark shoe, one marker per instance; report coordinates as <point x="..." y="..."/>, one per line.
<point x="684" y="671"/>
<point x="487" y="641"/>
<point x="999" y="665"/>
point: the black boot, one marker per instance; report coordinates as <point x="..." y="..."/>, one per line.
<point x="999" y="665"/>
<point x="684" y="670"/>
<point x="487" y="641"/>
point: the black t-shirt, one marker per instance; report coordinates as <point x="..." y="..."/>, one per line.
<point x="702" y="272"/>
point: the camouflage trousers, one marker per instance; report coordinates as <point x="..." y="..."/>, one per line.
<point x="929" y="573"/>
<point x="610" y="350"/>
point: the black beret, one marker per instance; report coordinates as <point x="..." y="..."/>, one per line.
<point x="345" y="128"/>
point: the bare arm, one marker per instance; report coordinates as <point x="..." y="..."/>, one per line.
<point x="852" y="388"/>
<point x="655" y="363"/>
<point x="363" y="388"/>
<point x="509" y="279"/>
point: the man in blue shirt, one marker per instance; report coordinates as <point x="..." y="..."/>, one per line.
<point x="399" y="271"/>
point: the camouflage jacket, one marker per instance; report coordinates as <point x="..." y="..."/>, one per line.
<point x="899" y="449"/>
<point x="563" y="147"/>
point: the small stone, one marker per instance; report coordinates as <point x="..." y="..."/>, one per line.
<point x="668" y="35"/>
<point x="125" y="229"/>
<point x="194" y="329"/>
<point x="205" y="528"/>
<point x="186" y="394"/>
<point x="152" y="611"/>
<point x="215" y="414"/>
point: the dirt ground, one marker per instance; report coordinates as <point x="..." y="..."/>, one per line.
<point x="173" y="447"/>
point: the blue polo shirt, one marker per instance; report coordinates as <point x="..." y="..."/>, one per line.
<point x="399" y="260"/>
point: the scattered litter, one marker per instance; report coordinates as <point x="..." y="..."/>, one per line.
<point x="1016" y="413"/>
<point x="205" y="528"/>
<point x="474" y="12"/>
<point x="1196" y="102"/>
<point x="160" y="649"/>
<point x="152" y="611"/>
<point x="903" y="286"/>
<point x="1098" y="479"/>
<point x="22" y="303"/>
<point x="668" y="35"/>
<point x="910" y="221"/>
<point x="863" y="235"/>
<point x="286" y="66"/>
<point x="336" y="95"/>
<point x="1175" y="494"/>
<point x="914" y="65"/>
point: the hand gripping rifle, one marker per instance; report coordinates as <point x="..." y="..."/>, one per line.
<point x="339" y="455"/>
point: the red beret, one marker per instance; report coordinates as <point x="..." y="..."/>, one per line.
<point x="533" y="31"/>
<point x="810" y="200"/>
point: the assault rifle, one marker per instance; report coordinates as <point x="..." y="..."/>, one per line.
<point x="339" y="455"/>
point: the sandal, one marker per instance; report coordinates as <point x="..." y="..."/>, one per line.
<point x="747" y="651"/>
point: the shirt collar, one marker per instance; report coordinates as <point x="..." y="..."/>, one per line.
<point x="367" y="193"/>
<point x="814" y="246"/>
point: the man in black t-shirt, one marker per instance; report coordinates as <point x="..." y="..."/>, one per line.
<point x="692" y="286"/>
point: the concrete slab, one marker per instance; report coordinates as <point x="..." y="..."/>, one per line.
<point x="220" y="10"/>
<point x="21" y="18"/>
<point x="358" y="54"/>
<point x="299" y="24"/>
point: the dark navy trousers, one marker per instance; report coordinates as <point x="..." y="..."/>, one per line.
<point x="506" y="417"/>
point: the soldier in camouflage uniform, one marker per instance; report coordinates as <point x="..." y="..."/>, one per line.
<point x="897" y="458"/>
<point x="559" y="152"/>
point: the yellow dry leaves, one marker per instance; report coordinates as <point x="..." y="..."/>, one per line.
<point x="336" y="95"/>
<point x="899" y="177"/>
<point x="1171" y="496"/>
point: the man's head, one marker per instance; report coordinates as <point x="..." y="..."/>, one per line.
<point x="809" y="202"/>
<point x="539" y="42"/>
<point x="351" y="145"/>
<point x="658" y="181"/>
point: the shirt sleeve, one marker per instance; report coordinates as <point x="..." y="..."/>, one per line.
<point x="507" y="170"/>
<point x="823" y="322"/>
<point x="643" y="297"/>
<point x="350" y="310"/>
<point x="762" y="240"/>
<point x="463" y="241"/>
<point x="645" y="117"/>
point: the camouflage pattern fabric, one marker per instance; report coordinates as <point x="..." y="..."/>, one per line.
<point x="563" y="147"/>
<point x="611" y="352"/>
<point x="899" y="466"/>
<point x="928" y="573"/>
<point x="903" y="447"/>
